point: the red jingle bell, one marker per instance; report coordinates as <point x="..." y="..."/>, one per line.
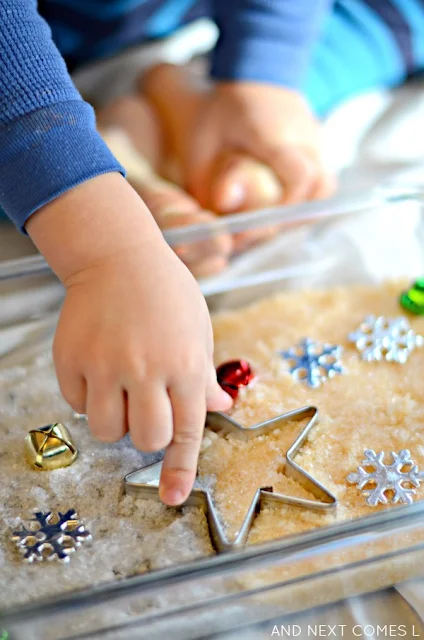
<point x="233" y="375"/>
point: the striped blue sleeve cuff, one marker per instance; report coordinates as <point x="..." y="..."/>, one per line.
<point x="46" y="153"/>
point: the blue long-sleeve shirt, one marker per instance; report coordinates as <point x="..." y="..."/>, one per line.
<point x="48" y="138"/>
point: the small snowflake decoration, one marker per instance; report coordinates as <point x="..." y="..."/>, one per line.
<point x="386" y="339"/>
<point x="375" y="478"/>
<point x="313" y="363"/>
<point x="48" y="538"/>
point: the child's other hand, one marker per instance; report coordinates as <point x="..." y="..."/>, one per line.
<point x="133" y="348"/>
<point x="271" y="124"/>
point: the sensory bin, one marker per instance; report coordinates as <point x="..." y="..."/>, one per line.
<point x="373" y="405"/>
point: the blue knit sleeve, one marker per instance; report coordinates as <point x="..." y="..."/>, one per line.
<point x="267" y="40"/>
<point x="48" y="137"/>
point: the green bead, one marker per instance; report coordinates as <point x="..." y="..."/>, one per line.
<point x="4" y="635"/>
<point x="419" y="284"/>
<point x="413" y="299"/>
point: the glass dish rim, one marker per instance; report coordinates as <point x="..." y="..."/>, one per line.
<point x="310" y="212"/>
<point x="211" y="566"/>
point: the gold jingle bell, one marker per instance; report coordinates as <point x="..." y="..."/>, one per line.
<point x="50" y="447"/>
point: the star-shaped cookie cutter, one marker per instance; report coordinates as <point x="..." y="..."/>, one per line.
<point x="144" y="483"/>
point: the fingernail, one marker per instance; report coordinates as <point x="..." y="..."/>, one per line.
<point x="233" y="197"/>
<point x="172" y="496"/>
<point x="225" y="398"/>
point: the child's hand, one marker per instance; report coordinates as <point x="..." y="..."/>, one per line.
<point x="273" y="125"/>
<point x="134" y="345"/>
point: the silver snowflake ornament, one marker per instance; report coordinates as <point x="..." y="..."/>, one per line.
<point x="48" y="537"/>
<point x="313" y="363"/>
<point x="376" y="479"/>
<point x="390" y="339"/>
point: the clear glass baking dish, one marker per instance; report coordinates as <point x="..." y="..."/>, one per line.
<point x="367" y="239"/>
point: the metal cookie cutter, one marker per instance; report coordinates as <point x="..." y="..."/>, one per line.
<point x="144" y="483"/>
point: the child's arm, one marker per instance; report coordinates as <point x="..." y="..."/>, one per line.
<point x="48" y="137"/>
<point x="259" y="65"/>
<point x="134" y="344"/>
